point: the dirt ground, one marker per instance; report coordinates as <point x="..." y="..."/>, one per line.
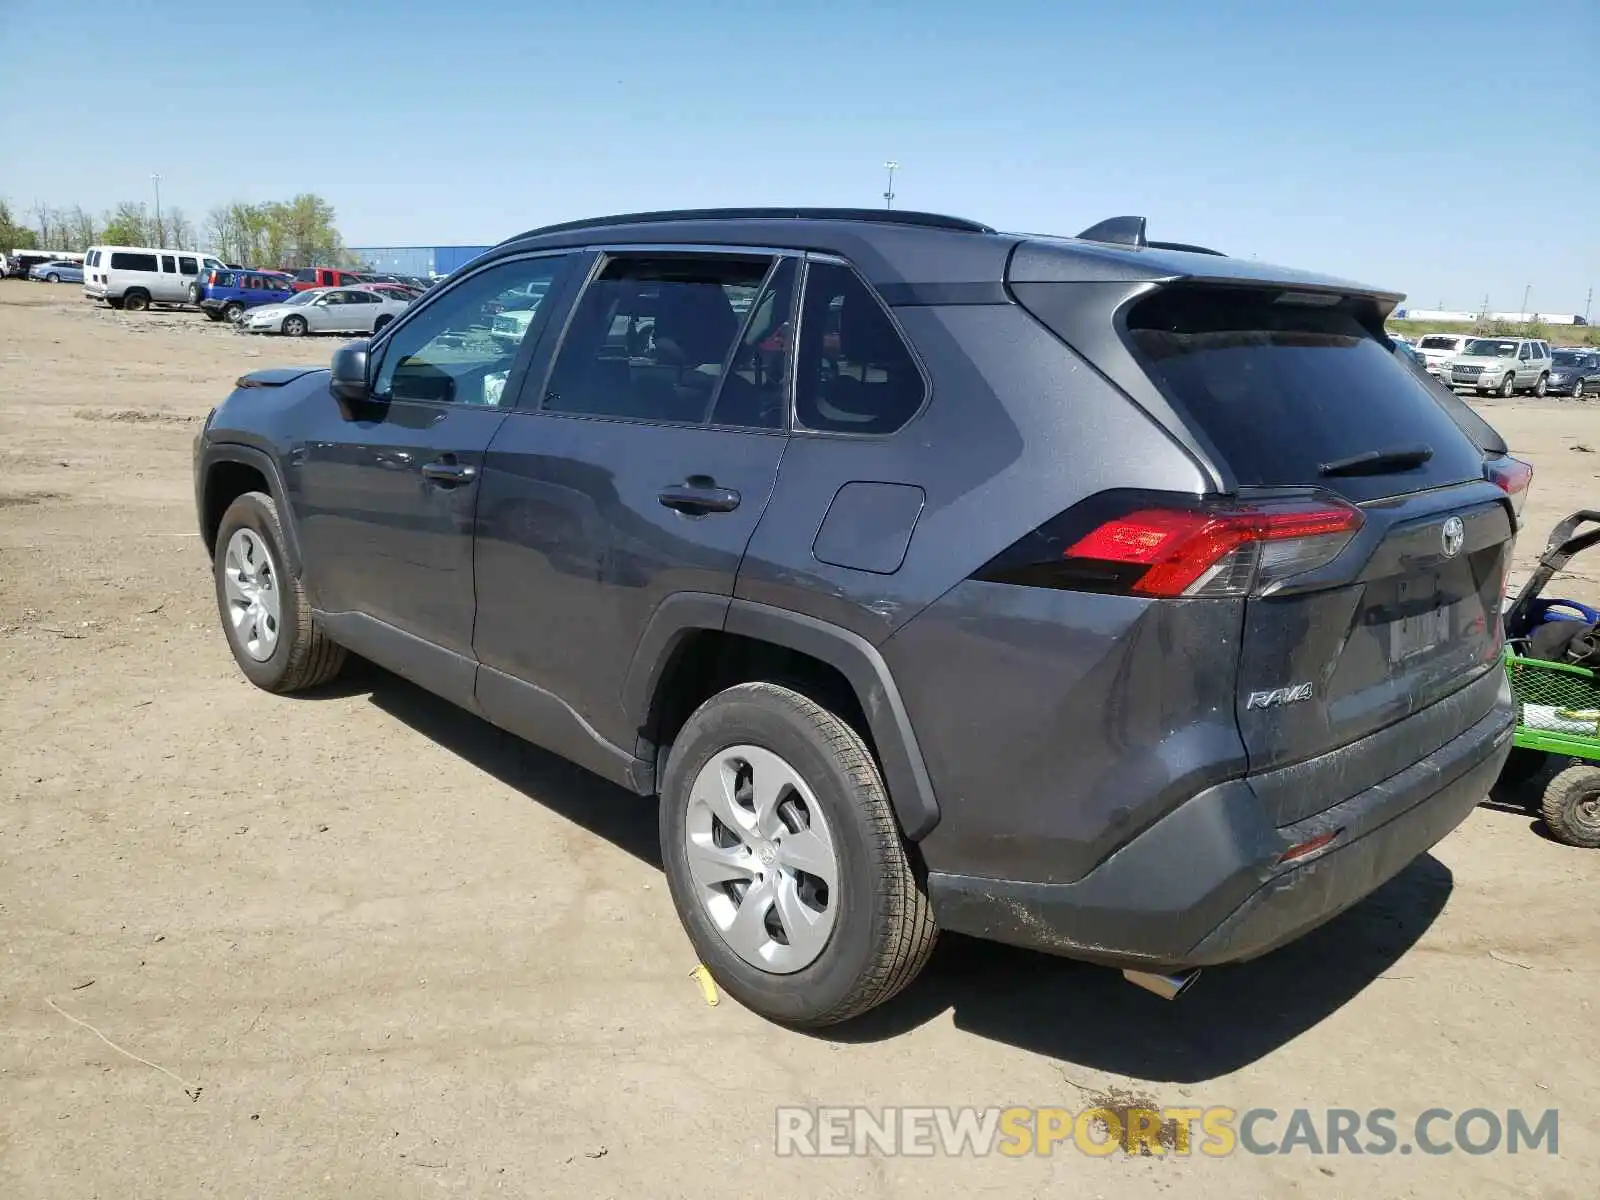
<point x="369" y="946"/>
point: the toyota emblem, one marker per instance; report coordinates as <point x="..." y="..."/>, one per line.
<point x="1452" y="536"/>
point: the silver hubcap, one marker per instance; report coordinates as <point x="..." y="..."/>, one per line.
<point x="250" y="581"/>
<point x="763" y="859"/>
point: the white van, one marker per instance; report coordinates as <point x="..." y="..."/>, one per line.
<point x="135" y="277"/>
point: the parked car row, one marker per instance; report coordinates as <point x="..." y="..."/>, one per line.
<point x="258" y="299"/>
<point x="1504" y="366"/>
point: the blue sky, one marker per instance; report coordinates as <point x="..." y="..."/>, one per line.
<point x="1449" y="150"/>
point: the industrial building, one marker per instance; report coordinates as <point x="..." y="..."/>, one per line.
<point x="426" y="262"/>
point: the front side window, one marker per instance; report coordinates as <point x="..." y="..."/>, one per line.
<point x="651" y="337"/>
<point x="460" y="349"/>
<point x="854" y="373"/>
<point x="169" y="264"/>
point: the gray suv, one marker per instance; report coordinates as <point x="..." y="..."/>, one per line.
<point x="1114" y="598"/>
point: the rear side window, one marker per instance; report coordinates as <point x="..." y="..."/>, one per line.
<point x="169" y="264"/>
<point x="651" y="338"/>
<point x="854" y="374"/>
<point x="124" y="261"/>
<point x="188" y="266"/>
<point x="1281" y="389"/>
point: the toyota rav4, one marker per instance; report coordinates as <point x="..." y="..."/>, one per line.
<point x="1114" y="598"/>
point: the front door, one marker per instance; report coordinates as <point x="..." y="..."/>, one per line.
<point x="640" y="470"/>
<point x="388" y="488"/>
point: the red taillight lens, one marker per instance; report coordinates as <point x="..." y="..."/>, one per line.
<point x="1180" y="546"/>
<point x="1512" y="476"/>
<point x="1218" y="552"/>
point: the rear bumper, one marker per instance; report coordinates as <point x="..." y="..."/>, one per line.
<point x="1203" y="885"/>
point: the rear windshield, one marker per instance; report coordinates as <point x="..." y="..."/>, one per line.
<point x="1280" y="389"/>
<point x="1439" y="342"/>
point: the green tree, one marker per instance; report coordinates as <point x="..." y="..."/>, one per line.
<point x="130" y="224"/>
<point x="13" y="234"/>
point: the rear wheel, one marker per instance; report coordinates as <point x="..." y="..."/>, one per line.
<point x="1542" y="386"/>
<point x="52" y="278"/>
<point x="785" y="861"/>
<point x="1571" y="808"/>
<point x="233" y="310"/>
<point x="136" y="301"/>
<point x="294" y="326"/>
<point x="1577" y="390"/>
<point x="194" y="293"/>
<point x="1508" y="386"/>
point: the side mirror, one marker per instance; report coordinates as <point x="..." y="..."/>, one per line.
<point x="349" y="382"/>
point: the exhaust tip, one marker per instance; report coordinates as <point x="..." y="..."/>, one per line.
<point x="1168" y="987"/>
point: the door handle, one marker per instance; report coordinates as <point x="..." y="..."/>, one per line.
<point x="697" y="496"/>
<point x="447" y="472"/>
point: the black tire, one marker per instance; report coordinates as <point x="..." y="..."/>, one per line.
<point x="233" y="310"/>
<point x="1542" y="385"/>
<point x="884" y="930"/>
<point x="52" y="278"/>
<point x="304" y="656"/>
<point x="1571" y="807"/>
<point x="136" y="301"/>
<point x="1508" y="387"/>
<point x="212" y="313"/>
<point x="382" y="320"/>
<point x="294" y="326"/>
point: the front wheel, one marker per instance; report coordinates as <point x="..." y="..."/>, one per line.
<point x="785" y="862"/>
<point x="52" y="278"/>
<point x="1508" y="387"/>
<point x="1577" y="390"/>
<point x="381" y="322"/>
<point x="1542" y="385"/>
<point x="294" y="326"/>
<point x="233" y="310"/>
<point x="194" y="293"/>
<point x="265" y="612"/>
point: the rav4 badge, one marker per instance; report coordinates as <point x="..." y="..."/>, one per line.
<point x="1278" y="697"/>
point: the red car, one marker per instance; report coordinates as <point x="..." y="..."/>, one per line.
<point x="322" y="277"/>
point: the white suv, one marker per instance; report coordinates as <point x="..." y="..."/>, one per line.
<point x="1502" y="365"/>
<point x="1437" y="349"/>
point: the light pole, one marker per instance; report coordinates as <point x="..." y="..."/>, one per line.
<point x="1525" y="292"/>
<point x="161" y="232"/>
<point x="888" y="196"/>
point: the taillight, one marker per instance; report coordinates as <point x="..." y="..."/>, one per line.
<point x="1512" y="476"/>
<point x="1175" y="546"/>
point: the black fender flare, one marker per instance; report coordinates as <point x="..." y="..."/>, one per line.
<point x="250" y="456"/>
<point x="904" y="769"/>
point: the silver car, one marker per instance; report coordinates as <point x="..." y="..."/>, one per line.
<point x="325" y="310"/>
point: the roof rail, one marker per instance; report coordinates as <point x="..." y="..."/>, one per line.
<point x="1129" y="231"/>
<point x="877" y="216"/>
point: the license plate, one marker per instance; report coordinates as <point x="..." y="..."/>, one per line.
<point x="1411" y="636"/>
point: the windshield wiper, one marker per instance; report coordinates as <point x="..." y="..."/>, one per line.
<point x="1377" y="462"/>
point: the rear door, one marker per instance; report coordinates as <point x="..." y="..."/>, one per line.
<point x="169" y="287"/>
<point x="1307" y="399"/>
<point x="639" y="470"/>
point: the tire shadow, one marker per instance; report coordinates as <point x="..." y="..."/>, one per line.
<point x="1051" y="1006"/>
